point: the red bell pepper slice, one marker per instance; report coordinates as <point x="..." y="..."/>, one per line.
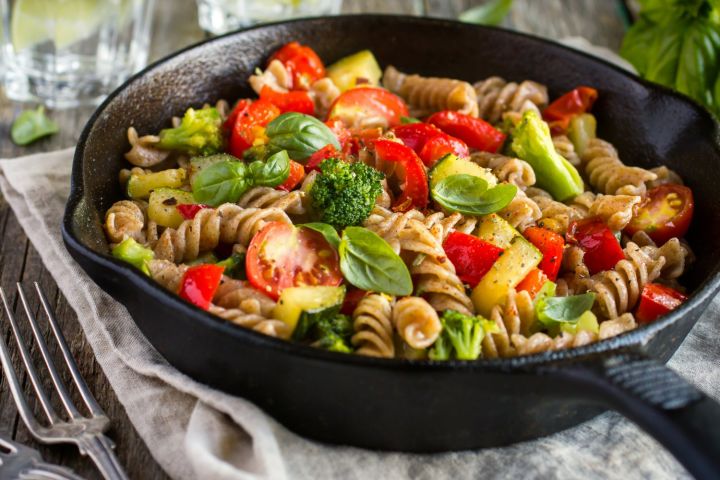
<point x="559" y="113"/>
<point x="244" y="132"/>
<point x="533" y="282"/>
<point x="303" y="63"/>
<point x="189" y="210"/>
<point x="471" y="256"/>
<point x="476" y="133"/>
<point x="601" y="247"/>
<point x="657" y="300"/>
<point x="297" y="173"/>
<point x="550" y="245"/>
<point x="292" y="101"/>
<point x="200" y="283"/>
<point x="415" y="190"/>
<point x="352" y="298"/>
<point x="314" y="161"/>
<point x="429" y="142"/>
<point x="240" y="107"/>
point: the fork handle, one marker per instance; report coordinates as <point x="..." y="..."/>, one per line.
<point x="100" y="449"/>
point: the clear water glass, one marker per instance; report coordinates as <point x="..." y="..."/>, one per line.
<point x="66" y="53"/>
<point x="220" y="16"/>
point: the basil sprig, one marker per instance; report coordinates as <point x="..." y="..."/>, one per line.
<point x="326" y="230"/>
<point x="470" y="195"/>
<point x="227" y="180"/>
<point x="300" y="135"/>
<point x="369" y="263"/>
<point x="552" y="310"/>
<point x="32" y="125"/>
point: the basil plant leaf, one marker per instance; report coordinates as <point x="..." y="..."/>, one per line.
<point x="552" y="310"/>
<point x="271" y="172"/>
<point x="221" y="182"/>
<point x="32" y="125"/>
<point x="369" y="263"/>
<point x="301" y="135"/>
<point x="490" y="13"/>
<point x="407" y="120"/>
<point x="469" y="194"/>
<point x="326" y="230"/>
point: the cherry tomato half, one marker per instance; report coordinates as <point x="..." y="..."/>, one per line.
<point x="199" y="284"/>
<point x="429" y="142"/>
<point x="297" y="173"/>
<point x="471" y="256"/>
<point x="476" y="133"/>
<point x="665" y="212"/>
<point x="412" y="174"/>
<point x="303" y="63"/>
<point x="550" y="245"/>
<point x="360" y="103"/>
<point x="292" y="101"/>
<point x="248" y="123"/>
<point x="601" y="247"/>
<point x="281" y="255"/>
<point x="657" y="300"/>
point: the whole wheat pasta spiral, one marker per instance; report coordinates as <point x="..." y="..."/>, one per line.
<point x="574" y="274"/>
<point x="555" y="216"/>
<point x="125" y="219"/>
<point x="618" y="290"/>
<point x="515" y="317"/>
<point x="143" y="151"/>
<point x="542" y="342"/>
<point x="521" y="212"/>
<point x="616" y="326"/>
<point x="167" y="273"/>
<point x="275" y="76"/>
<point x="565" y="147"/>
<point x="676" y="255"/>
<point x="416" y="322"/>
<point x="664" y="176"/>
<point x="506" y="169"/>
<point x="497" y="97"/>
<point x="429" y="94"/>
<point x="608" y="174"/>
<point x="227" y="223"/>
<point x="266" y="197"/>
<point x="434" y="274"/>
<point x="267" y="326"/>
<point x="373" y="326"/>
<point x="323" y="93"/>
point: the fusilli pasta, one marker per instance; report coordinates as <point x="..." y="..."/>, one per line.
<point x="373" y="326"/>
<point x="506" y="169"/>
<point x="496" y="97"/>
<point x="416" y="322"/>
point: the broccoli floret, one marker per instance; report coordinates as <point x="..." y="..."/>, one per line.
<point x="199" y="133"/>
<point x="133" y="253"/>
<point x="461" y="335"/>
<point x="345" y="193"/>
<point x="327" y="329"/>
<point x="333" y="342"/>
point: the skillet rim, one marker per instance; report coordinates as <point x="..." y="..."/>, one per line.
<point x="633" y="339"/>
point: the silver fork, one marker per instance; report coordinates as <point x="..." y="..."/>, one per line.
<point x="85" y="432"/>
<point x="19" y="461"/>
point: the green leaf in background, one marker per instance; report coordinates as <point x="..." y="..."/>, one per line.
<point x="327" y="231"/>
<point x="32" y="125"/>
<point x="490" y="13"/>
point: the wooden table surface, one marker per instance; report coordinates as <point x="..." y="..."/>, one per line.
<point x="175" y="26"/>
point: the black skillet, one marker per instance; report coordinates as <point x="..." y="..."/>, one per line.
<point x="404" y="405"/>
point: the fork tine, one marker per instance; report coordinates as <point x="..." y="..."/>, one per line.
<point x="82" y="387"/>
<point x="54" y="374"/>
<point x="15" y="387"/>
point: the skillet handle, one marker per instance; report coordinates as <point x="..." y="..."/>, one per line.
<point x="674" y="412"/>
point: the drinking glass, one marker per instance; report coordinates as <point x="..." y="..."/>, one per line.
<point x="220" y="16"/>
<point x="66" y="53"/>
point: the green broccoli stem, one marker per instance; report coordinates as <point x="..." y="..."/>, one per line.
<point x="133" y="253"/>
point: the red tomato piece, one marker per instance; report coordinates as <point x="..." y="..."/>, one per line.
<point x="314" y="161"/>
<point x="292" y="101"/>
<point x="352" y="298"/>
<point x="189" y="210"/>
<point x="412" y="174"/>
<point x="533" y="282"/>
<point x="551" y="246"/>
<point x="602" y="249"/>
<point x="657" y="300"/>
<point x="281" y="256"/>
<point x="471" y="256"/>
<point x="415" y="135"/>
<point x="665" y="212"/>
<point x="559" y="113"/>
<point x="244" y="132"/>
<point x="240" y="107"/>
<point x="368" y="102"/>
<point x="429" y="142"/>
<point x="475" y="132"/>
<point x="343" y="134"/>
<point x="199" y="284"/>
<point x="297" y="173"/>
<point x="302" y="62"/>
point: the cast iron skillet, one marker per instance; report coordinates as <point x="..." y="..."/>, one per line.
<point x="403" y="405"/>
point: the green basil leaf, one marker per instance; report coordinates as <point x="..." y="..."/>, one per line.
<point x="32" y="125"/>
<point x="301" y="135"/>
<point x="553" y="310"/>
<point x="490" y="13"/>
<point x="406" y="120"/>
<point x="271" y="172"/>
<point x="469" y="194"/>
<point x="221" y="182"/>
<point x="326" y="230"/>
<point x="699" y="63"/>
<point x="368" y="262"/>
